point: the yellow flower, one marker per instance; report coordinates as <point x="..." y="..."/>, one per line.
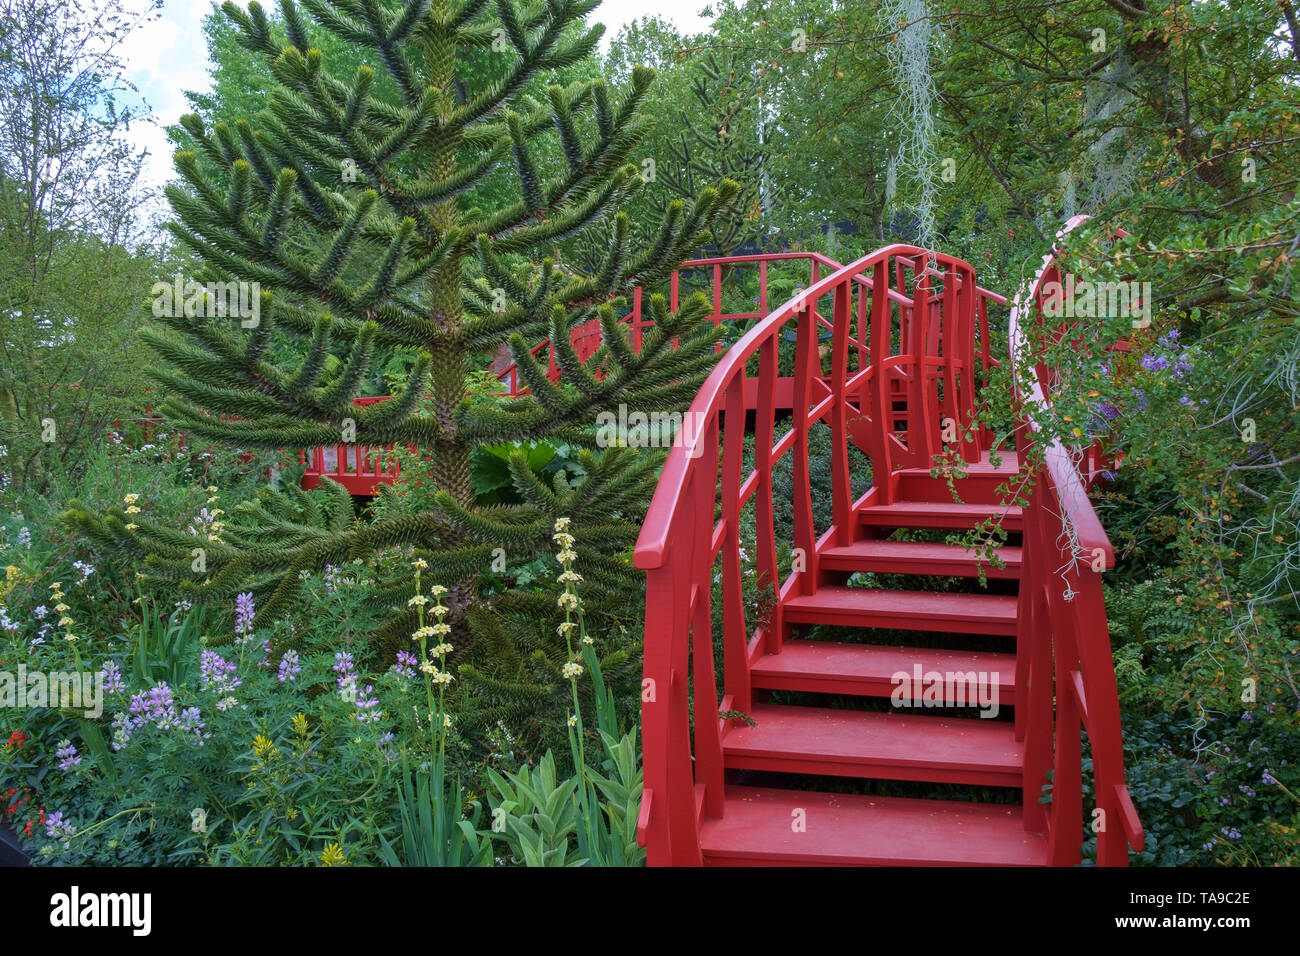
<point x="300" y="725"/>
<point x="65" y="621"/>
<point x="419" y="564"/>
<point x="332" y="855"/>
<point x="12" y="571"/>
<point x="211" y="489"/>
<point x="133" y="510"/>
<point x="263" y="748"/>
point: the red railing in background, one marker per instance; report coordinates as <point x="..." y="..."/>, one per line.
<point x="1067" y="683"/>
<point x="889" y="379"/>
<point x="361" y="469"/>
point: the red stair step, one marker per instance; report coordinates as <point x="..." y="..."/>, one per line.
<point x="852" y="830"/>
<point x="892" y="746"/>
<point x="905" y="610"/>
<point x="938" y="514"/>
<point x="917" y="557"/>
<point x="979" y="484"/>
<point x="827" y="667"/>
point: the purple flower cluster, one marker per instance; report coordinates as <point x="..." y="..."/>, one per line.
<point x="57" y="828"/>
<point x="368" y="706"/>
<point x="68" y="756"/>
<point x="345" y="668"/>
<point x="406" y="664"/>
<point x="244" y="613"/>
<point x="349" y="684"/>
<point x="157" y="707"/>
<point x="110" y="676"/>
<point x="218" y="674"/>
<point x="290" y="668"/>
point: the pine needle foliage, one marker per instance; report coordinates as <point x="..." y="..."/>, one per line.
<point x="344" y="200"/>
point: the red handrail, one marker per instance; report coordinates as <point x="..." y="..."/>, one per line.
<point x="1069" y="683"/>
<point x="908" y="343"/>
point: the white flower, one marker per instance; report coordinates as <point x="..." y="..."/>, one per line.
<point x="569" y="577"/>
<point x="566" y="628"/>
<point x="437" y="590"/>
<point x="573" y="720"/>
<point x="419" y="564"/>
<point x="561" y="524"/>
<point x="419" y="599"/>
<point x="572" y="669"/>
<point x="422" y="633"/>
<point x="131" y="499"/>
<point x="199" y="820"/>
<point x="588" y="640"/>
<point x="569" y="601"/>
<point x="441" y="629"/>
<point x="438" y="611"/>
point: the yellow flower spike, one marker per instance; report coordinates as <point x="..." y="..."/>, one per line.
<point x="333" y="855"/>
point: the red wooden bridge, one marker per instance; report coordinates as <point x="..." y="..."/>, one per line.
<point x="741" y="767"/>
<point x="751" y="766"/>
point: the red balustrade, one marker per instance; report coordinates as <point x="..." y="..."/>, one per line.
<point x="1069" y="683"/>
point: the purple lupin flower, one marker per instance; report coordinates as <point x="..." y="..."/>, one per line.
<point x="68" y="756"/>
<point x="110" y="678"/>
<point x="406" y="664"/>
<point x="244" y="613"/>
<point x="217" y="674"/>
<point x="290" y="668"/>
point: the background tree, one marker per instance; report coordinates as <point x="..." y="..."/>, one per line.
<point x="72" y="255"/>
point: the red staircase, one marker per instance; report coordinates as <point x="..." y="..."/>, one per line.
<point x="795" y="754"/>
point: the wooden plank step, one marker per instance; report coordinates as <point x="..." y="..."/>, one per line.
<point x="905" y="610"/>
<point x="891" y="746"/>
<point x="938" y="514"/>
<point x="827" y="667"/>
<point x="916" y="557"/>
<point x="853" y="830"/>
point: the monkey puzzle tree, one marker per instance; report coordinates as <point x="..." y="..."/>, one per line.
<point x="344" y="201"/>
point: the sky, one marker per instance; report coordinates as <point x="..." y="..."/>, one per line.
<point x="167" y="56"/>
